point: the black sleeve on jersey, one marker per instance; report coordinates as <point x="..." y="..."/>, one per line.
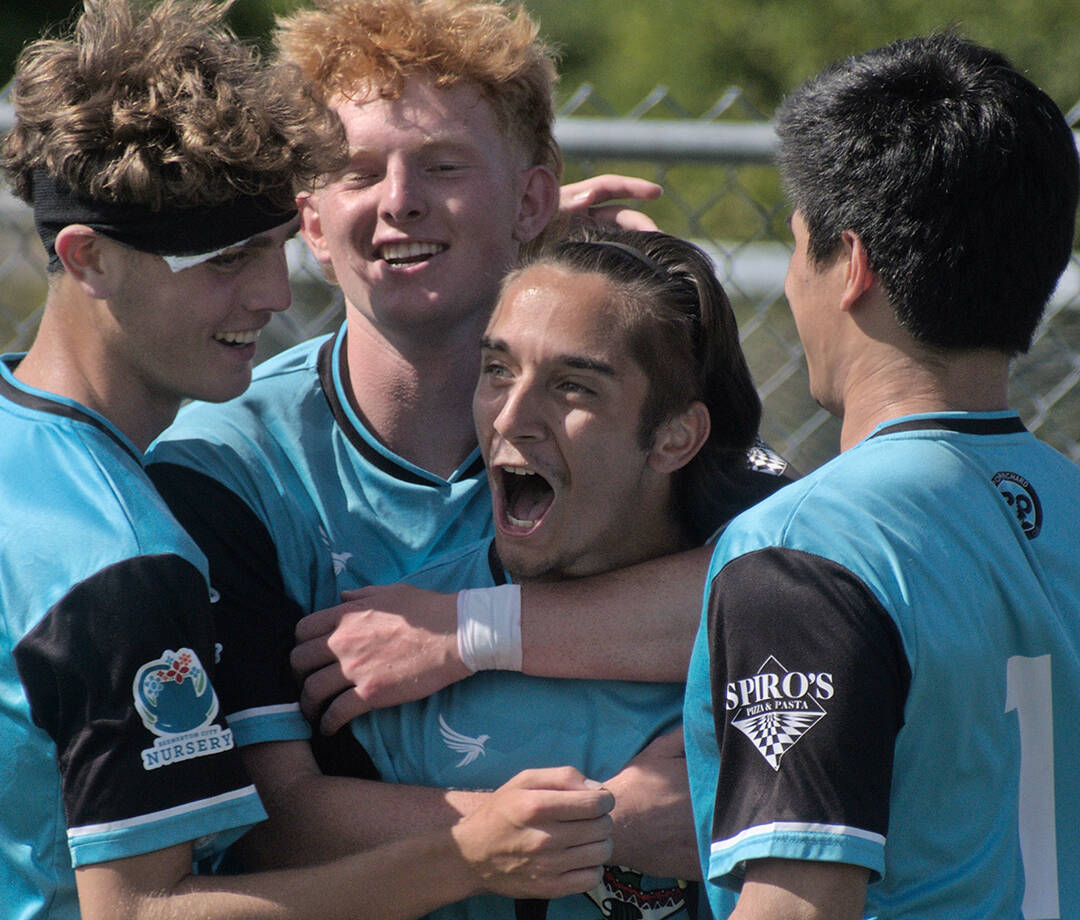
<point x="78" y="666"/>
<point x="255" y="619"/>
<point x="809" y="681"/>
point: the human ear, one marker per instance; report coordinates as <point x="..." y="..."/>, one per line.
<point x="84" y="257"/>
<point x="677" y="441"/>
<point x="312" y="233"/>
<point x="858" y="276"/>
<point x="538" y="201"/>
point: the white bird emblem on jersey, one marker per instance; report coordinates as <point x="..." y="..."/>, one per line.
<point x="463" y="744"/>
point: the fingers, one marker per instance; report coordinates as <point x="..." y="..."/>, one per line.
<point x="568" y="778"/>
<point x="545" y="833"/>
<point x="310" y="655"/>
<point x="576" y="881"/>
<point x="319" y="688"/>
<point x="561" y="794"/>
<point x="588" y="192"/>
<point x="345" y="707"/>
<point x="317" y="624"/>
<point x="591" y="200"/>
<point x="568" y="870"/>
<point x="386" y="645"/>
<point x="620" y="216"/>
<point x="329" y="698"/>
<point x="573" y="807"/>
<point x="357" y="594"/>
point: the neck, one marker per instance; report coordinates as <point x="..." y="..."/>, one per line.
<point x="914" y="380"/>
<point x="70" y="358"/>
<point x="416" y="397"/>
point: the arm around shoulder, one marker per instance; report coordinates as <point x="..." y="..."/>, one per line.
<point x="544" y="834"/>
<point x="636" y="623"/>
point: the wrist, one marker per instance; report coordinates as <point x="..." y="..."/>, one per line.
<point x="489" y="628"/>
<point x="474" y="873"/>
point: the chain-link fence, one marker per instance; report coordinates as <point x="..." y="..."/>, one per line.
<point x="721" y="191"/>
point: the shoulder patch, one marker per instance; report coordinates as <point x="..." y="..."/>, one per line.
<point x="775" y="707"/>
<point x="176" y="701"/>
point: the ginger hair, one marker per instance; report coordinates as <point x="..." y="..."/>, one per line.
<point x="353" y="48"/>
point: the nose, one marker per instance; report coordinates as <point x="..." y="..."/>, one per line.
<point x="520" y="416"/>
<point x="269" y="287"/>
<point x="402" y="195"/>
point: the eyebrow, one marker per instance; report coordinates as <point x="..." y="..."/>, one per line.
<point x="452" y="140"/>
<point x="578" y="362"/>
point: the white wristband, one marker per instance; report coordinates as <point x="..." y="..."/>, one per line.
<point x="489" y="628"/>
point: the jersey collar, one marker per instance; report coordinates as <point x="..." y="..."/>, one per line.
<point x="333" y="375"/>
<point x="14" y="390"/>
<point x="979" y="423"/>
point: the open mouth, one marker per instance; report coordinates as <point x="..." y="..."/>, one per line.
<point x="408" y="253"/>
<point x="237" y="339"/>
<point x="526" y="498"/>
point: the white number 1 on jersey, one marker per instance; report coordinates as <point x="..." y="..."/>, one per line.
<point x="1028" y="691"/>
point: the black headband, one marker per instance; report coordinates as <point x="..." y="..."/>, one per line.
<point x="650" y="263"/>
<point x="171" y="232"/>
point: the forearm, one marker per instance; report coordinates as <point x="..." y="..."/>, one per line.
<point x="314" y="817"/>
<point x="636" y="847"/>
<point x="543" y="834"/>
<point x="400" y="880"/>
<point x="785" y="889"/>
<point x="396" y="881"/>
<point x="653" y="819"/>
<point x="324" y="817"/>
<point x="636" y="623"/>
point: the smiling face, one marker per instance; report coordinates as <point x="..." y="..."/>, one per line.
<point x="421" y="227"/>
<point x="557" y="412"/>
<point x="170" y="336"/>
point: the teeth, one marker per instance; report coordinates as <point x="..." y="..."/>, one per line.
<point x="237" y="338"/>
<point x="518" y="470"/>
<point x="518" y="522"/>
<point x="399" y="252"/>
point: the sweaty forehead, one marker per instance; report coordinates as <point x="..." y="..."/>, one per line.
<point x="565" y="312"/>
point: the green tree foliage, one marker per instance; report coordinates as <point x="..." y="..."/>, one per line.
<point x="29" y="19"/>
<point x="767" y="47"/>
<point x="626" y="47"/>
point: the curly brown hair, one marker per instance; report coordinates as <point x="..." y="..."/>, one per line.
<point x="161" y="106"/>
<point x="350" y="48"/>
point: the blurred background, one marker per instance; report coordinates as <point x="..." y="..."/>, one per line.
<point x="681" y="92"/>
<point x="626" y="47"/>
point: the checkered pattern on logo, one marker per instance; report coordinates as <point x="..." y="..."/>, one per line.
<point x="774" y="732"/>
<point x="763" y="459"/>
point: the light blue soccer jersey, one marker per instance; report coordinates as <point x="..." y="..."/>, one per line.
<point x="480" y="732"/>
<point x="295" y="501"/>
<point x="887" y="674"/>
<point x="111" y="744"/>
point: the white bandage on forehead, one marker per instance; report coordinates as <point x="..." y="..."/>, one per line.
<point x="179" y="263"/>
